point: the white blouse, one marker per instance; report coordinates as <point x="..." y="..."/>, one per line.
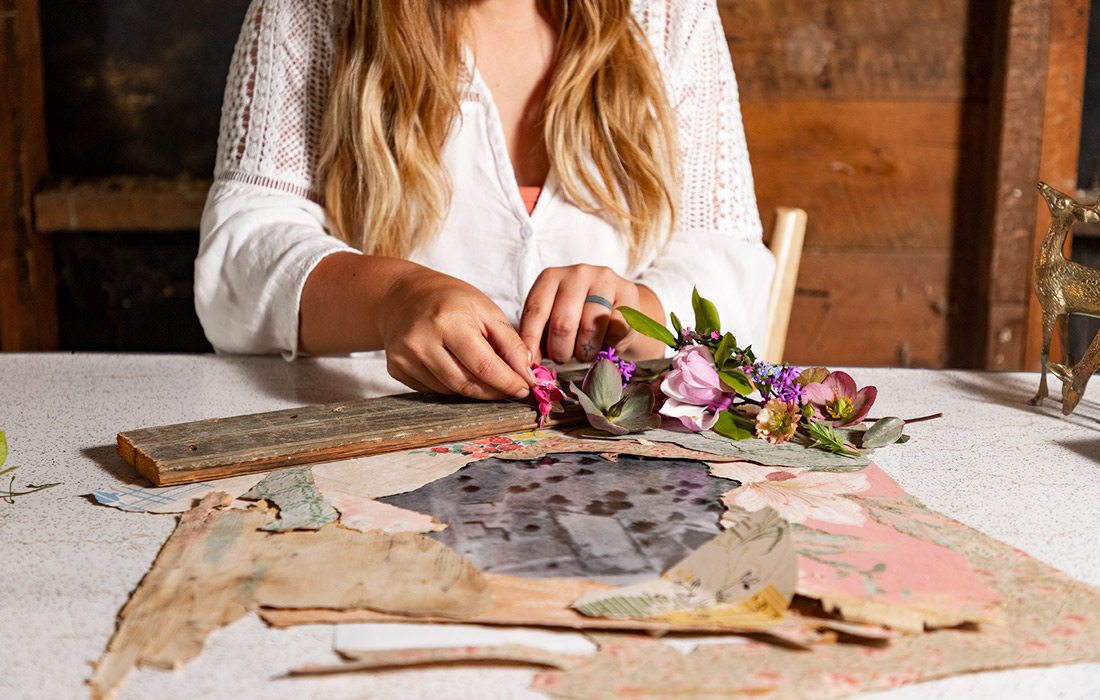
<point x="263" y="229"/>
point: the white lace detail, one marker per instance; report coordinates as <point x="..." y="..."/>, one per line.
<point x="279" y="83"/>
<point x="276" y="94"/>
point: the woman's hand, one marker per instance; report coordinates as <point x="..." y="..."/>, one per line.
<point x="444" y="336"/>
<point x="569" y="314"/>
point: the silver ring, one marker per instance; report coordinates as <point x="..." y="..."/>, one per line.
<point x="597" y="299"/>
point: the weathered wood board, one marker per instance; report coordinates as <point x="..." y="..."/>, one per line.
<point x="222" y="447"/>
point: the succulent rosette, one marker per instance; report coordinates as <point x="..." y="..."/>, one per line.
<point x="610" y="406"/>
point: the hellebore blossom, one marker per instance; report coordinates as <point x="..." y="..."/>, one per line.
<point x="695" y="393"/>
<point x="777" y="421"/>
<point x="612" y="408"/>
<point x="835" y="399"/>
<point x="546" y="392"/>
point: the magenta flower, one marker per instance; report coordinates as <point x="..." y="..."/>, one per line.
<point x="694" y="391"/>
<point x="546" y="391"/>
<point x="835" y="399"/>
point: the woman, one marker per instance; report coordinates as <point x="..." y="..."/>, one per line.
<point x="473" y="185"/>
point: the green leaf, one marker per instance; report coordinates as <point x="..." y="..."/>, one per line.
<point x="605" y="385"/>
<point x="3" y="448"/>
<point x="885" y="431"/>
<point x="676" y="326"/>
<point x="725" y="349"/>
<point x="729" y="426"/>
<point x="706" y="314"/>
<point x="647" y="326"/>
<point x="737" y="381"/>
<point x="826" y="438"/>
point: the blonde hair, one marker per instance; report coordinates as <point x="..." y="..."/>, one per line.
<point x="608" y="125"/>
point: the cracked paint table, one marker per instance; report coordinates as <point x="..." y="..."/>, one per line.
<point x="1024" y="475"/>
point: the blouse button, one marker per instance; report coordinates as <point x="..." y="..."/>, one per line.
<point x="526" y="231"/>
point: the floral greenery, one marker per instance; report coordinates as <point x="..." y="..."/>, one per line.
<point x="714" y="384"/>
<point x="11" y="494"/>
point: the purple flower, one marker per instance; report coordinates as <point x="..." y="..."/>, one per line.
<point x="836" y="400"/>
<point x="695" y="393"/>
<point x="626" y="367"/>
<point x="777" y="381"/>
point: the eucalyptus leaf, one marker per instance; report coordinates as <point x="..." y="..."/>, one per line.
<point x="706" y="314"/>
<point x="885" y="431"/>
<point x="647" y="326"/>
<point x="737" y="381"/>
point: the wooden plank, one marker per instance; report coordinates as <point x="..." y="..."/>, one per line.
<point x="1015" y="152"/>
<point x="122" y="204"/>
<point x="28" y="306"/>
<point x="903" y="49"/>
<point x="1065" y="91"/>
<point x="221" y="447"/>
<point x="879" y="308"/>
<point x="871" y="174"/>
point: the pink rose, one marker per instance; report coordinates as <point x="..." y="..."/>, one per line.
<point x="695" y="393"/>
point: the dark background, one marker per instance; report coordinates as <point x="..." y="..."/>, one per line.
<point x="134" y="88"/>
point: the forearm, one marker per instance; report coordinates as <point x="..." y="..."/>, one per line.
<point x="344" y="301"/>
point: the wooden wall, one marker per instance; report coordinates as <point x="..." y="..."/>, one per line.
<point x="869" y="115"/>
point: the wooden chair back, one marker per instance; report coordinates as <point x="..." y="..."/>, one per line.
<point x="785" y="243"/>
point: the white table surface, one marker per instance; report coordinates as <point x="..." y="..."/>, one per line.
<point x="1026" y="476"/>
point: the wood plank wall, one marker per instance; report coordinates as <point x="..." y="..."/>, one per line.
<point x="28" y="320"/>
<point x="870" y="115"/>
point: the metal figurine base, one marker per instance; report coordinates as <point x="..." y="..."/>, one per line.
<point x="1065" y="287"/>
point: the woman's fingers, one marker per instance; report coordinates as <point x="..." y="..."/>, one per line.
<point x="536" y="312"/>
<point x="511" y="347"/>
<point x="475" y="369"/>
<point x="592" y="327"/>
<point x="565" y="318"/>
<point x="414" y="375"/>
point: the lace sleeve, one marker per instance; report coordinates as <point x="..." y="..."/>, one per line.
<point x="717" y="243"/>
<point x="263" y="230"/>
<point x="276" y="93"/>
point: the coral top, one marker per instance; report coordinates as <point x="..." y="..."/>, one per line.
<point x="530" y="195"/>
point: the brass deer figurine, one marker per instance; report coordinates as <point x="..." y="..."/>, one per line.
<point x="1065" y="287"/>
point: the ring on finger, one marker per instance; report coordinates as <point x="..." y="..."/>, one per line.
<point x="597" y="299"/>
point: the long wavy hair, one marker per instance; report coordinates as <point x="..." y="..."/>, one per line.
<point x="607" y="123"/>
